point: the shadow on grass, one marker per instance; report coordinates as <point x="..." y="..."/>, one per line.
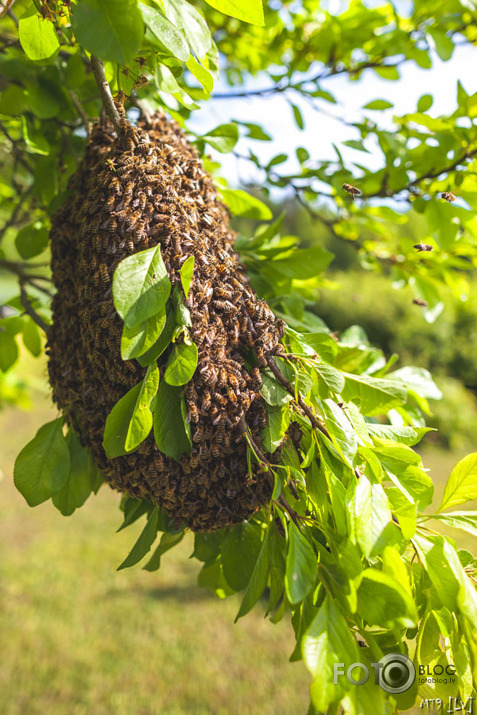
<point x="183" y="594"/>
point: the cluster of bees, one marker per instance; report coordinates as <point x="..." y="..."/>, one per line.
<point x="143" y="188"/>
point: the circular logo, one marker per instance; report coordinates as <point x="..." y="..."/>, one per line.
<point x="396" y="673"/>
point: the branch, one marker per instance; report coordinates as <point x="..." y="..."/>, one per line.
<point x="29" y="310"/>
<point x="288" y="387"/>
<point x="103" y="84"/>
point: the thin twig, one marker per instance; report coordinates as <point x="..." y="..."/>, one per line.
<point x="6" y="8"/>
<point x="17" y="151"/>
<point x="81" y="111"/>
<point x="29" y="310"/>
<point x="103" y="84"/>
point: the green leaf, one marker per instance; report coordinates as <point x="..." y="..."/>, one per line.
<point x="332" y="377"/>
<point x="452" y="586"/>
<point x="372" y="513"/>
<point x="42" y="467"/>
<point x="31" y="240"/>
<point x="273" y="392"/>
<point x="186" y="272"/>
<point x="171" y="432"/>
<point x="301" y="566"/>
<point x="37" y="36"/>
<point x="111" y="29"/>
<point x="327" y="641"/>
<point x="223" y="138"/>
<point x="242" y="204"/>
<point x="188" y="19"/>
<point x="167" y="542"/>
<point x="239" y="552"/>
<point x="298" y="116"/>
<point x="8" y="352"/>
<point x="379" y="104"/>
<point x="342" y="432"/>
<point x="145" y="541"/>
<point x="382" y="601"/>
<point x="425" y="102"/>
<point x="406" y="435"/>
<point x="181" y="364"/>
<point x="169" y="37"/>
<point x="201" y="74"/>
<point x="303" y="263"/>
<point x="133" y="509"/>
<point x="31" y="337"/>
<point x="464" y="520"/>
<point x="167" y="83"/>
<point x="162" y="343"/>
<point x="258" y="580"/>
<point x="130" y="421"/>
<point x="80" y="482"/>
<point x="277" y="424"/>
<point x="247" y="10"/>
<point x="375" y="395"/>
<point x="462" y="483"/>
<point x="141" y="286"/>
<point x="139" y="340"/>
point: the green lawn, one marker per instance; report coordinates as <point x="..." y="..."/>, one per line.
<point x="79" y="637"/>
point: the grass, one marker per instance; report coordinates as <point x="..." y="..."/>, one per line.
<point x="79" y="637"/>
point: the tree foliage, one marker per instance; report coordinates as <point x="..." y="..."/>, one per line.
<point x="344" y="544"/>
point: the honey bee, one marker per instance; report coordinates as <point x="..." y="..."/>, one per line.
<point x="261" y="357"/>
<point x="109" y="205"/>
<point x="141" y="201"/>
<point x="351" y="190"/>
<point x="194" y="459"/>
<point x="215" y="449"/>
<point x="422" y="247"/>
<point x="103" y="269"/>
<point x="420" y="302"/>
<point x="144" y="148"/>
<point x="112" y="225"/>
<point x="115" y="185"/>
<point x="206" y="401"/>
<point x="194" y="413"/>
<point x="198" y="434"/>
<point x="85" y="318"/>
<point x="448" y="196"/>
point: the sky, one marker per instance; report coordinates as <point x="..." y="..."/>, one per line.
<point x="322" y="130"/>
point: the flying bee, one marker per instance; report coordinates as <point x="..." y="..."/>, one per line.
<point x="448" y="196"/>
<point x="420" y="302"/>
<point x="422" y="247"/>
<point x="351" y="190"/>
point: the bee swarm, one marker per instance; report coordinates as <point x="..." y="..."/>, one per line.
<point x="132" y="192"/>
